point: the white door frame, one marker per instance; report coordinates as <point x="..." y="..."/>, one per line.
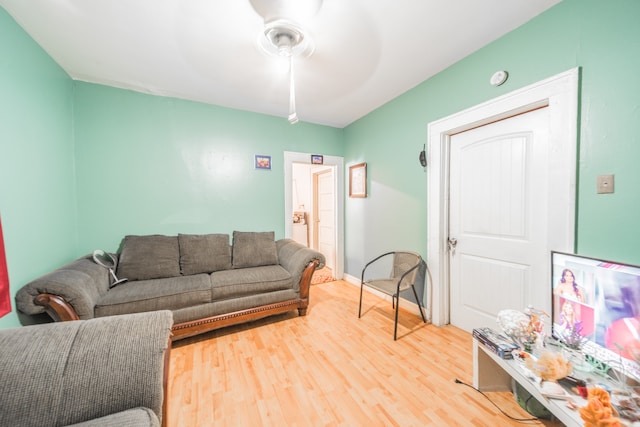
<point x="560" y="94"/>
<point x="338" y="164"/>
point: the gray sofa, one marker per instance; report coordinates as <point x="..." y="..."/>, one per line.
<point x="206" y="282"/>
<point x="101" y="372"/>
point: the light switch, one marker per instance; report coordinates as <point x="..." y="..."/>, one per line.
<point x="605" y="184"/>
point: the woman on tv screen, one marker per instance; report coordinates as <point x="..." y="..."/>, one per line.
<point x="568" y="287"/>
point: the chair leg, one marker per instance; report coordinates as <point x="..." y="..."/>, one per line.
<point x="395" y="326"/>
<point x="424" y="319"/>
<point x="360" y="305"/>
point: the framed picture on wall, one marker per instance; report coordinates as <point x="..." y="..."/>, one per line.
<point x="262" y="162"/>
<point x="317" y="159"/>
<point x="358" y="180"/>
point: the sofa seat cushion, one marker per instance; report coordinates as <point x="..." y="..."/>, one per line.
<point x="158" y="294"/>
<point x="249" y="281"/>
<point x="231" y="305"/>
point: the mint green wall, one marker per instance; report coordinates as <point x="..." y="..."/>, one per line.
<point x="37" y="183"/>
<point x="148" y="164"/>
<point x="602" y="38"/>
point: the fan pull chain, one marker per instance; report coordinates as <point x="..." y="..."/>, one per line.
<point x="293" y="116"/>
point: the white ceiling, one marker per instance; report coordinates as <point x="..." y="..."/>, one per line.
<point x="367" y="52"/>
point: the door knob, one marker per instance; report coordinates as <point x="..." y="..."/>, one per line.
<point x="453" y="242"/>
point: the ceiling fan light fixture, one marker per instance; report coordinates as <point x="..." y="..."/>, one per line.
<point x="284" y="38"/>
<point x="284" y="50"/>
<point x="284" y="41"/>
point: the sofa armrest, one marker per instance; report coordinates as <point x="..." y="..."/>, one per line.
<point x="78" y="284"/>
<point x="295" y="258"/>
<point x="72" y="372"/>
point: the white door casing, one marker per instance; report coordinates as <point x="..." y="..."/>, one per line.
<point x="560" y="95"/>
<point x="498" y="218"/>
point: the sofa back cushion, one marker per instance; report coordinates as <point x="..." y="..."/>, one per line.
<point x="204" y="253"/>
<point x="149" y="257"/>
<point x="254" y="249"/>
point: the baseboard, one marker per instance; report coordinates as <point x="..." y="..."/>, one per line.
<point x="406" y="304"/>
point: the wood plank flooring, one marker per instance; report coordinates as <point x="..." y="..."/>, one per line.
<point x="330" y="368"/>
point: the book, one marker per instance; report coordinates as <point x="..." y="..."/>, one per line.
<point x="496" y="342"/>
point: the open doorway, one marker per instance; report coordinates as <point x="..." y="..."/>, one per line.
<point x="314" y="207"/>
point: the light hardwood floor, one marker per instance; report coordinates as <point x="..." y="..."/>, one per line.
<point x="330" y="368"/>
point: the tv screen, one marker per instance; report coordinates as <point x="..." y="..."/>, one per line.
<point x="600" y="300"/>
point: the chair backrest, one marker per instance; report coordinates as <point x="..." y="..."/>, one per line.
<point x="403" y="262"/>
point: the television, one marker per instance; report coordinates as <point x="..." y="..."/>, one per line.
<point x="599" y="301"/>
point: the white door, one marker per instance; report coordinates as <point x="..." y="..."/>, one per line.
<point x="324" y="229"/>
<point x="498" y="214"/>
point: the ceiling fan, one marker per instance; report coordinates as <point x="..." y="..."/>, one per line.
<point x="332" y="64"/>
<point x="285" y="36"/>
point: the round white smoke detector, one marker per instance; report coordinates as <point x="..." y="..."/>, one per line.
<point x="498" y="78"/>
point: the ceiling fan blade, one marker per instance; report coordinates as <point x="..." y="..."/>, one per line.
<point x="298" y="11"/>
<point x="348" y="48"/>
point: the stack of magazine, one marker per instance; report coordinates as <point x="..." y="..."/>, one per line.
<point x="496" y="342"/>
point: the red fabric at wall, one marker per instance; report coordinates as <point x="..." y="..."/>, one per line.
<point x="5" y="300"/>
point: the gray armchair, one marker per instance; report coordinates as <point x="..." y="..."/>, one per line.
<point x="108" y="371"/>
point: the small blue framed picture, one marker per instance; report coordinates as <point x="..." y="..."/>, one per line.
<point x="262" y="162"/>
